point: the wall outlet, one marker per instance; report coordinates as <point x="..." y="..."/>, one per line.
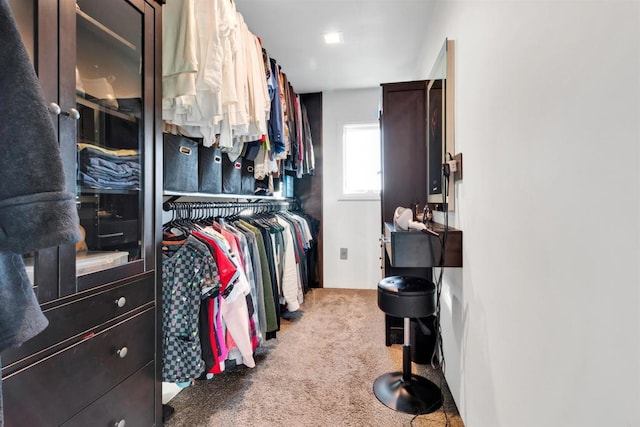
<point x="344" y="253"/>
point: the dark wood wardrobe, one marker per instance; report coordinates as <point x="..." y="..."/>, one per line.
<point x="98" y="361"/>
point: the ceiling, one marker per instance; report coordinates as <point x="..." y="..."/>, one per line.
<point x="382" y="39"/>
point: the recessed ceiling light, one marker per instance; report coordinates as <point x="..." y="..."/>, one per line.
<point x="333" y="38"/>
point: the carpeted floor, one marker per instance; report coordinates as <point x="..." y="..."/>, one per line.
<point x="318" y="372"/>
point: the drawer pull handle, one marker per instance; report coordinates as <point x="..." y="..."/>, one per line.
<point x="122" y="352"/>
<point x="120" y="302"/>
<point x="120" y="423"/>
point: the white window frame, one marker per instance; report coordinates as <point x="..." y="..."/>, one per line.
<point x="365" y="195"/>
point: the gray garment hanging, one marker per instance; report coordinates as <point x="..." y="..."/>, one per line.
<point x="35" y="210"/>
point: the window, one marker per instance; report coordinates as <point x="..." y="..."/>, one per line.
<point x="361" y="171"/>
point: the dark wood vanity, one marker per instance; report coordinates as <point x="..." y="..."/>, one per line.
<point x="423" y="248"/>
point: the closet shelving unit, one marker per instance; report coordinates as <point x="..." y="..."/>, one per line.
<point x="97" y="362"/>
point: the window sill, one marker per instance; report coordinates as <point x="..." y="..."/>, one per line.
<point x="359" y="197"/>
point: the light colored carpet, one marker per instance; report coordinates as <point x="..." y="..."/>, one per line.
<point x="318" y="372"/>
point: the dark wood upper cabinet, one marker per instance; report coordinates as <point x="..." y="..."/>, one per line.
<point x="97" y="68"/>
<point x="404" y="156"/>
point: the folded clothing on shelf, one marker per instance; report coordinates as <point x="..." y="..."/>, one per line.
<point x="100" y="167"/>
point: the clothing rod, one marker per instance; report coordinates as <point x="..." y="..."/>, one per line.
<point x="263" y="206"/>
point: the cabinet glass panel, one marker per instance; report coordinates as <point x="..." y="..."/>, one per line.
<point x="23" y="12"/>
<point x="109" y="134"/>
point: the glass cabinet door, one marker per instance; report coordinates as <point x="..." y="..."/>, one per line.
<point x="110" y="174"/>
<point x="90" y="59"/>
<point x="24" y="13"/>
<point x="42" y="265"/>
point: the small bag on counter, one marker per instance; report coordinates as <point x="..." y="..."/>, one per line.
<point x="231" y="175"/>
<point x="180" y="163"/>
<point x="210" y="170"/>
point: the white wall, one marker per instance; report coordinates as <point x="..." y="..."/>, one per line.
<point x="350" y="224"/>
<point x="541" y="326"/>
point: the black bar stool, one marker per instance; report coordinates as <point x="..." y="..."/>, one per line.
<point x="408" y="298"/>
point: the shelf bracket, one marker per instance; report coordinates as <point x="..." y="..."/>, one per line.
<point x="166" y="205"/>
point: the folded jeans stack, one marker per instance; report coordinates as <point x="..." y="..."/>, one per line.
<point x="103" y="168"/>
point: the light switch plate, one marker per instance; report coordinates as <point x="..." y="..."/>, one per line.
<point x="457" y="175"/>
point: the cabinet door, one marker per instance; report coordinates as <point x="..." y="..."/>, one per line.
<point x="404" y="146"/>
<point x="39" y="35"/>
<point x="109" y="144"/>
<point x="404" y="156"/>
<point x="96" y="64"/>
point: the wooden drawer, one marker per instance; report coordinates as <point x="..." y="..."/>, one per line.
<point x="54" y="389"/>
<point x="75" y="317"/>
<point x="131" y="401"/>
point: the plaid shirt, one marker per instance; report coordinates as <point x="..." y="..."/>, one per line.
<point x="186" y="271"/>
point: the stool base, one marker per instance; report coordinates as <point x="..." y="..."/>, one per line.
<point x="417" y="396"/>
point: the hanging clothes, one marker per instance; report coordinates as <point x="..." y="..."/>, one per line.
<point x="271" y="312"/>
<point x="188" y="271"/>
<point x="226" y="284"/>
<point x="233" y="306"/>
<point x="221" y="85"/>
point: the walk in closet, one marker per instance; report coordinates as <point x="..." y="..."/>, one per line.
<point x="97" y="361"/>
